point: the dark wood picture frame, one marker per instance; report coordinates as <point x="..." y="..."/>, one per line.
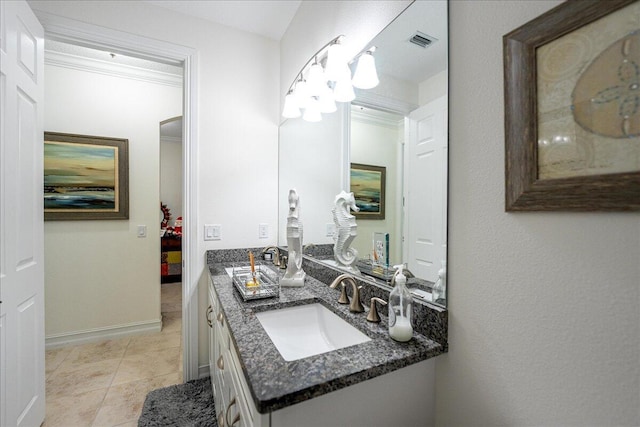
<point x="92" y="199"/>
<point x="376" y="175"/>
<point x="524" y="191"/>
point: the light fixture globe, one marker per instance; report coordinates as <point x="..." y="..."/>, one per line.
<point x="316" y="80"/>
<point x="301" y="93"/>
<point x="312" y="112"/>
<point x="327" y="101"/>
<point x="366" y="76"/>
<point x="336" y="62"/>
<point x="291" y="109"/>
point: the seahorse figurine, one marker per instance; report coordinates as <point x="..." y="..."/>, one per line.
<point x="346" y="231"/>
<point x="294" y="276"/>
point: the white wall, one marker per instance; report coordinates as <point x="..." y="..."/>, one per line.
<point x="99" y="274"/>
<point x="171" y="176"/>
<point x="544" y="308"/>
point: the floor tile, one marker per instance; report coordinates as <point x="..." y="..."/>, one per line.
<point x="155" y="342"/>
<point x="172" y="321"/>
<point x="124" y="402"/>
<point x="77" y="410"/>
<point x="95" y="352"/>
<point x="70" y="380"/>
<point x="148" y="365"/>
<point x="54" y="358"/>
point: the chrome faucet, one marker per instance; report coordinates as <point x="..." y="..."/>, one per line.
<point x="276" y="254"/>
<point x="356" y="305"/>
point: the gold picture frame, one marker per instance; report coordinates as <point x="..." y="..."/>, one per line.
<point x="568" y="43"/>
<point x="85" y="177"/>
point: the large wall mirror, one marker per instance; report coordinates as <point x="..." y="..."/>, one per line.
<point x="401" y="126"/>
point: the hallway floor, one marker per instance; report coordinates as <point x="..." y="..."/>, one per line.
<point x="105" y="383"/>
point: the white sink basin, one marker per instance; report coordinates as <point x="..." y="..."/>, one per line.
<point x="307" y="330"/>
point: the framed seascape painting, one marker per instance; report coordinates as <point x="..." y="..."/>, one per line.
<point x="85" y="177"/>
<point x="368" y="188"/>
<point x="572" y="108"/>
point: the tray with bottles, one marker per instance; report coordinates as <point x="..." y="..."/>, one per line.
<point x="262" y="282"/>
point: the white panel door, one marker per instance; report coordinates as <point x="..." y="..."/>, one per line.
<point x="21" y="217"/>
<point x="426" y="184"/>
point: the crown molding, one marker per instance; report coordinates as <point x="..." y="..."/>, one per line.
<point x="97" y="66"/>
<point x="372" y="119"/>
<point x="380" y="102"/>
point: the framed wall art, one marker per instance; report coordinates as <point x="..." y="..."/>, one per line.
<point x="85" y="177"/>
<point x="572" y="109"/>
<point x="368" y="188"/>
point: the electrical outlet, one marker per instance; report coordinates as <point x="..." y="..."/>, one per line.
<point x="212" y="232"/>
<point x="263" y="231"/>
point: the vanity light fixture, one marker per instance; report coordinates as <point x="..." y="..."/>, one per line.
<point x="316" y="89"/>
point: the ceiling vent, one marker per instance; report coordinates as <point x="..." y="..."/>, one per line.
<point x="422" y="40"/>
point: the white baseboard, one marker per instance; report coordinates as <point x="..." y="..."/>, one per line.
<point x="203" y="371"/>
<point x="101" y="334"/>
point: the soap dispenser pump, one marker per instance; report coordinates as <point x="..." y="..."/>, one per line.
<point x="400" y="308"/>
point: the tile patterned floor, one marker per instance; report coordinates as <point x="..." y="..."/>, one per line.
<point x="105" y="383"/>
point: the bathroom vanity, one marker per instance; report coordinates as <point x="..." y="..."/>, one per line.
<point x="377" y="382"/>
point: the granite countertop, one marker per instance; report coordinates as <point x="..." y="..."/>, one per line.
<point x="276" y="383"/>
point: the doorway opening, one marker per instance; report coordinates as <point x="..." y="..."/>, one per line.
<point x="82" y="34"/>
<point x="171" y="177"/>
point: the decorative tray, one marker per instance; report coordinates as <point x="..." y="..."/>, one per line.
<point x="267" y="285"/>
<point x="375" y="270"/>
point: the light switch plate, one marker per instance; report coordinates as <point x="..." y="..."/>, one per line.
<point x="263" y="231"/>
<point x="142" y="231"/>
<point x="212" y="232"/>
<point x="331" y="229"/>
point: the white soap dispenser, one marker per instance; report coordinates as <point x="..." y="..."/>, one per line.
<point x="400" y="299"/>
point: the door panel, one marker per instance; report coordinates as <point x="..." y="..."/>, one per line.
<point x="425" y="201"/>
<point x="21" y="217"/>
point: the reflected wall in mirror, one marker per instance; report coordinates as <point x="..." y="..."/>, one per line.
<point x="400" y="125"/>
<point x="377" y="139"/>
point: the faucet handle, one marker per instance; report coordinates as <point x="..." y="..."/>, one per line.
<point x="276" y="254"/>
<point x="356" y="305"/>
<point x="373" y="311"/>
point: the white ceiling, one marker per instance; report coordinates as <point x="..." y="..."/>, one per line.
<point x="268" y="18"/>
<point x="397" y="57"/>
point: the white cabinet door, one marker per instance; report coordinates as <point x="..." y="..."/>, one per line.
<point x="21" y="216"/>
<point x="426" y="199"/>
